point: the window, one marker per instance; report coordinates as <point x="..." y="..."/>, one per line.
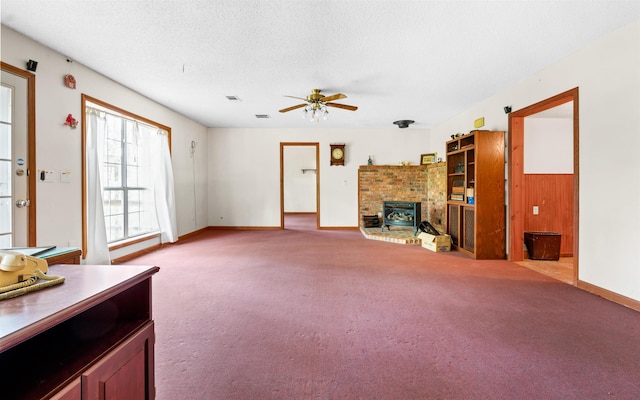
<point x="6" y="183"/>
<point x="129" y="209"/>
<point x="128" y="181"/>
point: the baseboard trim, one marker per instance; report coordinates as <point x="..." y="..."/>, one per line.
<point x="609" y="295"/>
<point x="191" y="234"/>
<point x="154" y="247"/>
<point x="135" y="240"/>
<point x="266" y="228"/>
<point x="135" y="254"/>
<point x="243" y="228"/>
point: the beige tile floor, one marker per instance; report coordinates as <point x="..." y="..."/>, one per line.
<point x="561" y="270"/>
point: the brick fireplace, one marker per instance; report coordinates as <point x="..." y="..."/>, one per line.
<point x="413" y="183"/>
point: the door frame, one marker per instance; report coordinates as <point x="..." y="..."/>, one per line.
<point x="516" y="173"/>
<point x="31" y="141"/>
<point x="307" y="144"/>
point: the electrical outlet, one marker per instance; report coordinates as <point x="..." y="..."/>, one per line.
<point x="535" y="210"/>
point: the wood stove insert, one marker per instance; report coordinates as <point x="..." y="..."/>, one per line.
<point x="401" y="213"/>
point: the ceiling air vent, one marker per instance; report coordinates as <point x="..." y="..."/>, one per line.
<point x="263" y="116"/>
<point x="233" y="98"/>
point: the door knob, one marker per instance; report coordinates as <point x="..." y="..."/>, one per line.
<point x="22" y="203"/>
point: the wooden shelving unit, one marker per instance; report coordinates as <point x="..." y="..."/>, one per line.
<point x="476" y="194"/>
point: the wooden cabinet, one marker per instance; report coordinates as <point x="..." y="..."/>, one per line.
<point x="71" y="392"/>
<point x="62" y="256"/>
<point x="90" y="338"/>
<point x="121" y="374"/>
<point x="476" y="194"/>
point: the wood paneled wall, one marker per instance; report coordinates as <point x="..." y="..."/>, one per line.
<point x="553" y="194"/>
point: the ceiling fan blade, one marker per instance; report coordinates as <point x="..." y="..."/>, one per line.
<point x="284" y="110"/>
<point x="336" y="96"/>
<point x="294" y="97"/>
<point x="343" y="106"/>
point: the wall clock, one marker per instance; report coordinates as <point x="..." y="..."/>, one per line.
<point x="337" y="154"/>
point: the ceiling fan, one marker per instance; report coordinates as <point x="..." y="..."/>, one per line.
<point x="316" y="104"/>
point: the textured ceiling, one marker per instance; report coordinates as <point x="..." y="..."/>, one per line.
<point x="420" y="60"/>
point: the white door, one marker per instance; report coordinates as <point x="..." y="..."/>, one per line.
<point x="14" y="182"/>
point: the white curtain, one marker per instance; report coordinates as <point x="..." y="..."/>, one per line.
<point x="165" y="195"/>
<point x="97" y="246"/>
<point x="160" y="180"/>
<point x="155" y="173"/>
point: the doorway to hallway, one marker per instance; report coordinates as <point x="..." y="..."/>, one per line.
<point x="299" y="184"/>
<point x="517" y="178"/>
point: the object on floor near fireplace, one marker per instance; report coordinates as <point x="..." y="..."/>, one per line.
<point x="370" y="221"/>
<point x="426" y="227"/>
<point x="401" y="213"/>
<point x="435" y="243"/>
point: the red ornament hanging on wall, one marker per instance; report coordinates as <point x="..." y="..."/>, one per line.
<point x="70" y="121"/>
<point x="70" y="81"/>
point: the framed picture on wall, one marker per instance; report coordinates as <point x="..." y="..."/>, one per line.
<point x="429" y="158"/>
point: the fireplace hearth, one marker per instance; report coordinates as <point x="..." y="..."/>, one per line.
<point x="401" y="213"/>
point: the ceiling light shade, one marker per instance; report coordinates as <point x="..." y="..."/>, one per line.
<point x="315" y="111"/>
<point x="403" y="123"/>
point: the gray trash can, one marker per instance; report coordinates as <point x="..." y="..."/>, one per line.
<point x="543" y="245"/>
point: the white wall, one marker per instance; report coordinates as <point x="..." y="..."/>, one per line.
<point x="58" y="147"/>
<point x="607" y="74"/>
<point x="548" y="145"/>
<point x="244" y="170"/>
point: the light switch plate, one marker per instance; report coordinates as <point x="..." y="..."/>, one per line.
<point x="65" y="176"/>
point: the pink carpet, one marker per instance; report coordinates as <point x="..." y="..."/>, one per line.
<point x="307" y="314"/>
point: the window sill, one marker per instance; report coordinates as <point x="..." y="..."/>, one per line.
<point x="131" y="241"/>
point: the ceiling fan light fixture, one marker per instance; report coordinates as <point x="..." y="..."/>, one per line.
<point x="315" y="111"/>
<point x="403" y="123"/>
<point x="317" y="105"/>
